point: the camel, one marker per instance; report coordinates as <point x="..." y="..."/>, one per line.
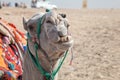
<point x="48" y="41"/>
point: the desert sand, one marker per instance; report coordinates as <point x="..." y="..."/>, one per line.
<point x="96" y="34"/>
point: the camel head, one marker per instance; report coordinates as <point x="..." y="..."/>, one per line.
<point x="54" y="36"/>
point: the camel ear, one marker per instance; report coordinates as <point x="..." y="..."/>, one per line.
<point x="24" y="23"/>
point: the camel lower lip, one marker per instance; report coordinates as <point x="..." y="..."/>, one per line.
<point x="69" y="42"/>
<point x="65" y="43"/>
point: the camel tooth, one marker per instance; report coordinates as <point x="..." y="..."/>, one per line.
<point x="66" y="39"/>
<point x="69" y="38"/>
<point x="62" y="39"/>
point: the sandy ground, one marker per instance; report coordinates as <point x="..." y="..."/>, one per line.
<point x="96" y="36"/>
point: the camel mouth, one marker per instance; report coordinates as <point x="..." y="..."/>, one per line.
<point x="65" y="40"/>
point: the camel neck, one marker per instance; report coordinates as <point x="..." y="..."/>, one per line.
<point x="40" y="62"/>
<point x="45" y="61"/>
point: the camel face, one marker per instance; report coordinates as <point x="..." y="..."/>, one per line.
<point x="54" y="30"/>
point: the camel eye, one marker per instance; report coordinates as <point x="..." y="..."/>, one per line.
<point x="48" y="21"/>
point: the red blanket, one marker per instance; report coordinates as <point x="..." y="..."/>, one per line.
<point x="10" y="61"/>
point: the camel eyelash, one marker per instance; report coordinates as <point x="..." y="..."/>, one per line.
<point x="49" y="22"/>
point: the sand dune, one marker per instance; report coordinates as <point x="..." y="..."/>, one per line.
<point x="96" y="36"/>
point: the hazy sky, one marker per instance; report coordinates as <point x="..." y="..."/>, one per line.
<point x="78" y="3"/>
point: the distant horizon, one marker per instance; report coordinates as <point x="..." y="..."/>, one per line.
<point x="75" y="4"/>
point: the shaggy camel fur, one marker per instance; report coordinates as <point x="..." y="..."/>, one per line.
<point x="54" y="41"/>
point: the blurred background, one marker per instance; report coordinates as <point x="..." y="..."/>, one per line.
<point x="74" y="4"/>
<point x="95" y="27"/>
